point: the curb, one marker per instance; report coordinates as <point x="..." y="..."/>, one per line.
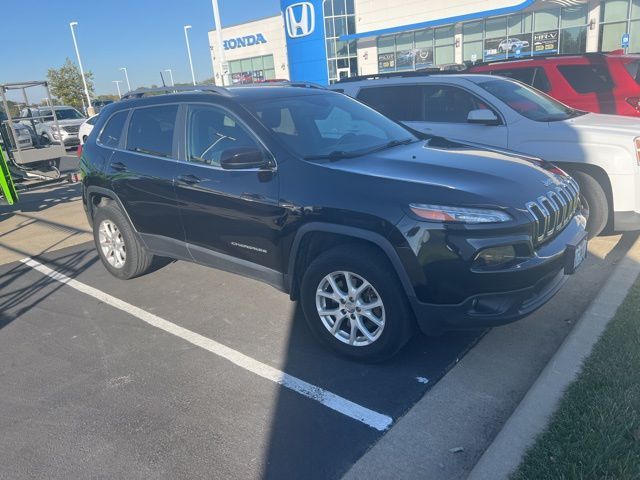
<point x="532" y="415"/>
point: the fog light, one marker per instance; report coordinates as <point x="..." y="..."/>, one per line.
<point x="495" y="256"/>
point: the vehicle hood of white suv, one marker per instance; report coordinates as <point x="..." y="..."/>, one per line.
<point x="606" y="124"/>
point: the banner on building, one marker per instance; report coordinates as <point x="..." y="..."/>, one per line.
<point x="386" y="62"/>
<point x="545" y="42"/>
<point x="513" y="46"/>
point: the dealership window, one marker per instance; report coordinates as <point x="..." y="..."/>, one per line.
<point x="252" y="70"/>
<point x="416" y="50"/>
<point x="616" y="18"/>
<point x="573" y="29"/>
<point x="472" y="41"/>
<point x="342" y="56"/>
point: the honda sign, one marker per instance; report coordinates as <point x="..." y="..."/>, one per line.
<point x="300" y="18"/>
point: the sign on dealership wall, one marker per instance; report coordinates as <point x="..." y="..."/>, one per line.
<point x="521" y="45"/>
<point x="411" y="59"/>
<point x="245" y="41"/>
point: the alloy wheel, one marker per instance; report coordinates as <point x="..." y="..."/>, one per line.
<point x="112" y="244"/>
<point x="350" y="308"/>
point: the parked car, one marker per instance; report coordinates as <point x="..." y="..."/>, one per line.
<point x="98" y="105"/>
<point x="69" y="120"/>
<point x="594" y="82"/>
<point x="85" y="128"/>
<point x="601" y="152"/>
<point x="22" y="132"/>
<point x="512" y="45"/>
<point x="370" y="226"/>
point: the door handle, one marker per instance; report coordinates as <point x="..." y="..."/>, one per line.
<point x="189" y="179"/>
<point x="118" y="166"/>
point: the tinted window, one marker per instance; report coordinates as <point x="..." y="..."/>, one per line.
<point x="528" y="102"/>
<point x="448" y="104"/>
<point x="634" y="70"/>
<point x="211" y="132"/>
<point x="398" y="102"/>
<point x="535" y="77"/>
<point x="322" y="123"/>
<point x="151" y="130"/>
<point x="112" y="131"/>
<point x="587" y="78"/>
<point x="92" y="120"/>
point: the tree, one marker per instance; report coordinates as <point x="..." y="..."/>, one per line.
<point x="66" y="84"/>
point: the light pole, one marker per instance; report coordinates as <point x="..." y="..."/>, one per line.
<point x="126" y="76"/>
<point x="186" y="37"/>
<point x="117" y="82"/>
<point x="90" y="110"/>
<point x="173" y="84"/>
<point x="223" y="64"/>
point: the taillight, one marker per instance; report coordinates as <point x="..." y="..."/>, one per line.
<point x="634" y="102"/>
<point x="79" y="150"/>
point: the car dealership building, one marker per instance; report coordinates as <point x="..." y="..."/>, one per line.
<point x="323" y="41"/>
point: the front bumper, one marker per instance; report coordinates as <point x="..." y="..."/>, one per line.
<point x="491" y="298"/>
<point x="67" y="139"/>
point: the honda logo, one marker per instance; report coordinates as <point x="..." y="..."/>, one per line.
<point x="301" y="19"/>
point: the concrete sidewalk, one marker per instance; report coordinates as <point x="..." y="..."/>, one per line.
<point x="444" y="435"/>
<point x="42" y="221"/>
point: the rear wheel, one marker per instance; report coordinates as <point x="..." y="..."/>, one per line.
<point x="595" y="206"/>
<point x="119" y="248"/>
<point x="354" y="303"/>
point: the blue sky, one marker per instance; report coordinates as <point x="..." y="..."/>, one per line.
<point x="145" y="36"/>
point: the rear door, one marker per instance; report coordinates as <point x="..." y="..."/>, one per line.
<point x="592" y="85"/>
<point x="435" y="109"/>
<point x="232" y="218"/>
<point x="142" y="172"/>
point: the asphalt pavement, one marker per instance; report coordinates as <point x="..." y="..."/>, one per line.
<point x="92" y="390"/>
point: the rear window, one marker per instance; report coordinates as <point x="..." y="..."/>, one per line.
<point x="112" y="131"/>
<point x="151" y="130"/>
<point x="401" y="102"/>
<point x="633" y="68"/>
<point x="532" y="76"/>
<point x="587" y="78"/>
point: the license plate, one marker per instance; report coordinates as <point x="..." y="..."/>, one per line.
<point x="576" y="253"/>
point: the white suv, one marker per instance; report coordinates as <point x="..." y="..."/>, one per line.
<point x="602" y="152"/>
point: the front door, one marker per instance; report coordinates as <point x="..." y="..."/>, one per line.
<point x="231" y="217"/>
<point x="142" y="172"/>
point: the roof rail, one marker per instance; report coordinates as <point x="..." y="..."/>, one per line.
<point x="424" y="72"/>
<point x="282" y="83"/>
<point x="543" y="56"/>
<point x="141" y="92"/>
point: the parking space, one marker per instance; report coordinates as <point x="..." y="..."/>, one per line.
<point x="97" y="377"/>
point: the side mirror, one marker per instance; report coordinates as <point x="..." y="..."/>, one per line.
<point x="242" y="158"/>
<point x="483" y="117"/>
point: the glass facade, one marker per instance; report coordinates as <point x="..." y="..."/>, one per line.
<point x="342" y="57"/>
<point x="616" y="18"/>
<point x="415" y="50"/>
<point x="252" y="70"/>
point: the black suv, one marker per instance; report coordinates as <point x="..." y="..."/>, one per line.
<point x="373" y="227"/>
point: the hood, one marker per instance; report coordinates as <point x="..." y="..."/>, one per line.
<point x="62" y="123"/>
<point x="457" y="174"/>
<point x="605" y="124"/>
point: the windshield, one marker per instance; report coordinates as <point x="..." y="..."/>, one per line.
<point x="528" y="102"/>
<point x="328" y="125"/>
<point x="62" y="114"/>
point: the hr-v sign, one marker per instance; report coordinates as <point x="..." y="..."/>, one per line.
<point x="246" y="41"/>
<point x="300" y="19"/>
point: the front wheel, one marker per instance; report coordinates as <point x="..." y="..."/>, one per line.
<point x="354" y="303"/>
<point x="119" y="248"/>
<point x="595" y="206"/>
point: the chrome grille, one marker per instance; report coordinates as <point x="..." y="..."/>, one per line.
<point x="552" y="212"/>
<point x="71" y="128"/>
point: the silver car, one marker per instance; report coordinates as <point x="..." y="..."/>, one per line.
<point x="41" y="118"/>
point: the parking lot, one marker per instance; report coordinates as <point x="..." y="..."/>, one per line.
<point x="193" y="372"/>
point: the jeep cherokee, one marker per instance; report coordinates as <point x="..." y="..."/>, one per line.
<point x="372" y="226"/>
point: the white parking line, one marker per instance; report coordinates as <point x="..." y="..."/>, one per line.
<point x="331" y="400"/>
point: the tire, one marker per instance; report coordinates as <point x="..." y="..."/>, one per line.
<point x="363" y="264"/>
<point x="594" y="203"/>
<point x="136" y="260"/>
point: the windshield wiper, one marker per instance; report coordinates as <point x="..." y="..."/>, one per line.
<point x="393" y="143"/>
<point x="333" y="156"/>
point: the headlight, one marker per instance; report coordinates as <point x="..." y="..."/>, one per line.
<point x="495" y="256"/>
<point x="443" y="213"/>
